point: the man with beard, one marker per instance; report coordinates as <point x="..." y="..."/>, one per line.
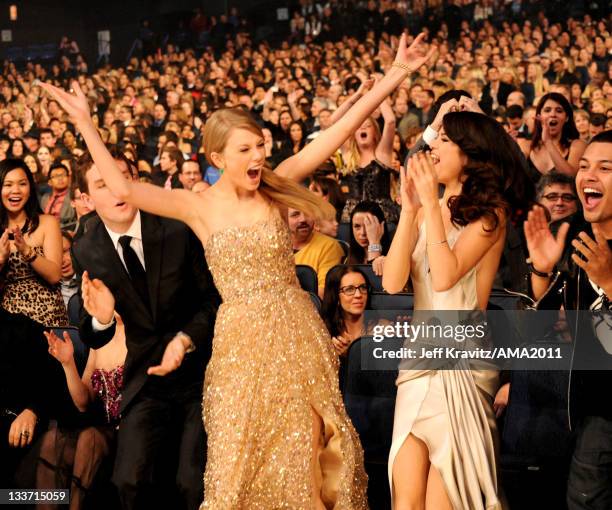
<point x="312" y="248"/>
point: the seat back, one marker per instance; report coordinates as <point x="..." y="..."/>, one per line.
<point x="307" y="277"/>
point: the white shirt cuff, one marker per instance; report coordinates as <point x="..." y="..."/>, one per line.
<point x="97" y="326"/>
<point x="429" y="135"/>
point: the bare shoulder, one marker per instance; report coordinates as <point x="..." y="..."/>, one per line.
<point x="578" y="145"/>
<point x="48" y="223"/>
<point x="524" y="145"/>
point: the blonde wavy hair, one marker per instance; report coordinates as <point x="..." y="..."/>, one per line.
<point x="277" y="189"/>
<point x="351" y="163"/>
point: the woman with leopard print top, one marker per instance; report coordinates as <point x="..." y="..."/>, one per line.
<point x="30" y="250"/>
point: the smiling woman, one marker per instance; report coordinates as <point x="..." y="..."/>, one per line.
<point x="30" y="250"/>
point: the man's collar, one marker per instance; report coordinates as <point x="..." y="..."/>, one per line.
<point x="135" y="231"/>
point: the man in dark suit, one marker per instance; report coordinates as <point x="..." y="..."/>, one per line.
<point x="495" y="92"/>
<point x="153" y="273"/>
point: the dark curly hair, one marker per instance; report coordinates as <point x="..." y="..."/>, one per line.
<point x="495" y="174"/>
<point x="569" y="132"/>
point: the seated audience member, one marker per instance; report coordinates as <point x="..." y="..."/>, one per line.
<point x="557" y="193"/>
<point x="346" y="297"/>
<point x="369" y="241"/>
<point x="85" y="211"/>
<point x="200" y="187"/>
<point x="597" y="124"/>
<point x="58" y="202"/>
<point x="330" y="190"/>
<point x="312" y="248"/>
<point x="69" y="458"/>
<point x="170" y="161"/>
<point x="68" y="284"/>
<point x="190" y="174"/>
<point x="30" y="250"/>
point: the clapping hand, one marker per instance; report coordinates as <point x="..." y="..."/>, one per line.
<point x="409" y="197"/>
<point x="425" y="179"/>
<point x="20" y="242"/>
<point x="98" y="301"/>
<point x="5" y="247"/>
<point x="545" y="250"/>
<point x="173" y="356"/>
<point x="61" y="350"/>
<point x="596" y="257"/>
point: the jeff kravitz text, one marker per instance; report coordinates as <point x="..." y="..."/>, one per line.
<point x="452" y="353"/>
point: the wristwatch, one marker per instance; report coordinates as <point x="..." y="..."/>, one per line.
<point x="375" y="247"/>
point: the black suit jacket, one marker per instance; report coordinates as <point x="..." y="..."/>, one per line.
<point x="181" y="292"/>
<point x="502" y="95"/>
<point x="159" y="179"/>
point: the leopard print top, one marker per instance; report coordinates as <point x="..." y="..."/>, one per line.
<point x="27" y="293"/>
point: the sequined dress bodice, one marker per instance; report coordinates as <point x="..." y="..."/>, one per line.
<point x="107" y="385"/>
<point x="251" y="260"/>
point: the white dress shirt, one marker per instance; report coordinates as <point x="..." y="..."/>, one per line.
<point x="135" y="232"/>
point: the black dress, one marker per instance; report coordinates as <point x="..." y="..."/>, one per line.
<point x="372" y="183"/>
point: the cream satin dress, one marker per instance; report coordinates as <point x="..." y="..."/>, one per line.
<point x="450" y="410"/>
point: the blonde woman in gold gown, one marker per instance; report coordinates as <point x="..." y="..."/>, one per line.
<point x="278" y="433"/>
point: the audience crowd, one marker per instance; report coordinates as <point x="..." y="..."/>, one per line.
<point x="545" y="74"/>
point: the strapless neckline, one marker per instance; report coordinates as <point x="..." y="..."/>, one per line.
<point x="234" y="228"/>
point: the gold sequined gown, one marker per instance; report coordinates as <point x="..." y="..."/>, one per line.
<point x="272" y="364"/>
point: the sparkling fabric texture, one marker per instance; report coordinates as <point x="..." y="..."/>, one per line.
<point x="107" y="384"/>
<point x="272" y="365"/>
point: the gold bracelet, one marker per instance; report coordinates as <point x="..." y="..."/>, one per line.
<point x="405" y="67"/>
<point x="439" y="242"/>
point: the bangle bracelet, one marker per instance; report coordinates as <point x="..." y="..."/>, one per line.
<point x="439" y="242"/>
<point x="374" y="248"/>
<point x="405" y="67"/>
<point x="536" y="272"/>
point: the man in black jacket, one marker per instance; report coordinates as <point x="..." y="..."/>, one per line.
<point x="578" y="275"/>
<point x="153" y="273"/>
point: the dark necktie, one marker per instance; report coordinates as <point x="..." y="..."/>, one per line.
<point x="135" y="269"/>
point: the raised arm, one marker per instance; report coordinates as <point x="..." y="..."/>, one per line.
<point x="178" y="204"/>
<point x="397" y="261"/>
<point x="448" y="265"/>
<point x="384" y="150"/>
<point x="345" y="107"/>
<point x="569" y="166"/>
<point x="306" y="161"/>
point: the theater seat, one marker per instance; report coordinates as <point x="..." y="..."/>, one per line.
<point x="384" y="301"/>
<point x="74" y="310"/>
<point x="307" y="277"/>
<point x="344" y="232"/>
<point x="369" y="398"/>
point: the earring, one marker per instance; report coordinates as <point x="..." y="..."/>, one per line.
<point x="220" y="171"/>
